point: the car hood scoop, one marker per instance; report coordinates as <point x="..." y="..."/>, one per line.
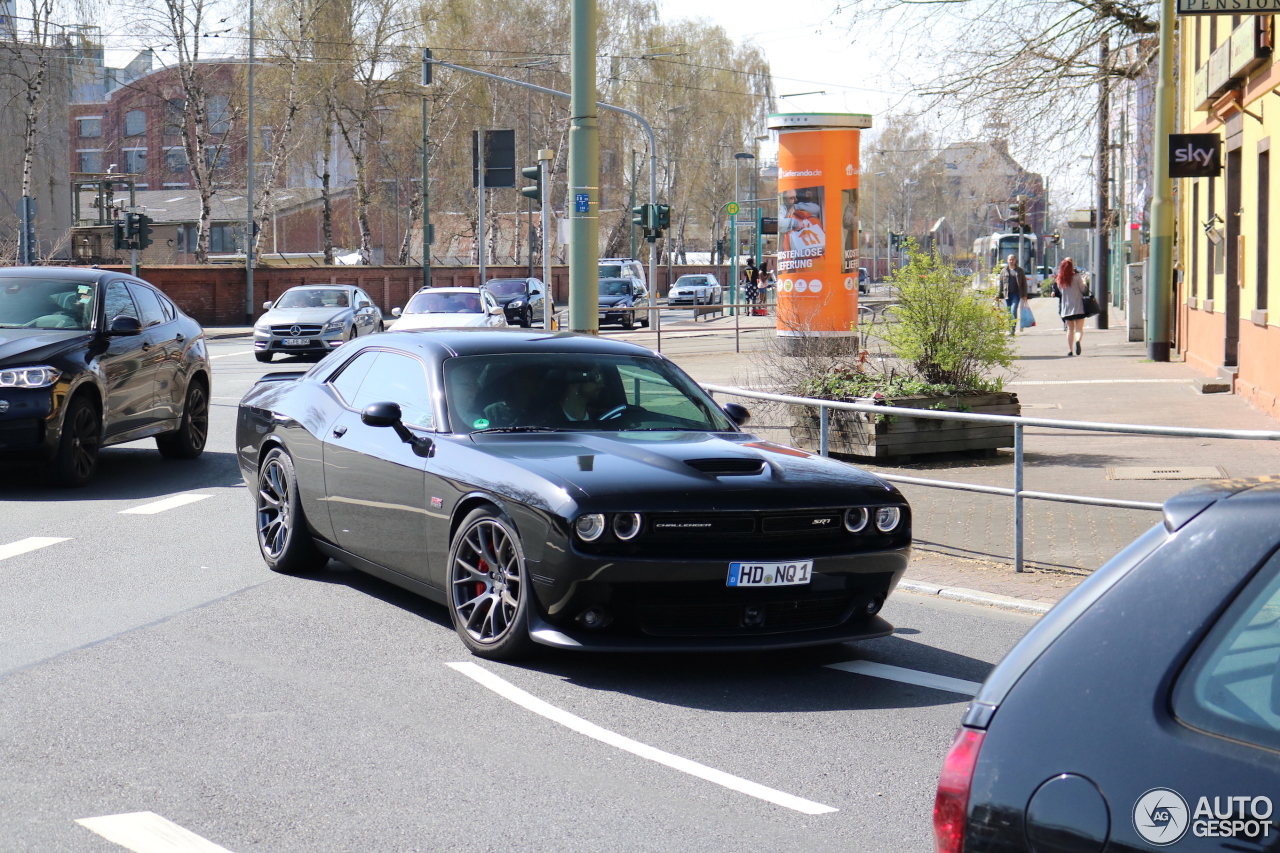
<point x="727" y="466"/>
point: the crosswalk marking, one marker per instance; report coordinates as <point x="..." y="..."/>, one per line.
<point x="909" y="676"/>
<point x="31" y="543"/>
<point x="161" y="505"/>
<point x="571" y="721"/>
<point x="148" y="832"/>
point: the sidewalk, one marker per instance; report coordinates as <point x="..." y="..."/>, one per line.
<point x="964" y="539"/>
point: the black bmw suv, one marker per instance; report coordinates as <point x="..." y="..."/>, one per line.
<point x="90" y="358"/>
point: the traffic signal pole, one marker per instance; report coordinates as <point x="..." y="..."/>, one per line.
<point x="1160" y="267"/>
<point x="548" y="297"/>
<point x="584" y="173"/>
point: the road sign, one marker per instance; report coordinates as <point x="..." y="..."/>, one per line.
<point x="733" y="207"/>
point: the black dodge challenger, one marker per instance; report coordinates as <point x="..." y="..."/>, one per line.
<point x="567" y="491"/>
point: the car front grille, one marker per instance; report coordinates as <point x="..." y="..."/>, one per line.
<point x="303" y="330"/>
<point x="21" y="432"/>
<point x="720" y="618"/>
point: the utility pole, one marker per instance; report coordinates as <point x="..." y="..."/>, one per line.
<point x="1103" y="234"/>
<point x="480" y="176"/>
<point x="248" y="189"/>
<point x="545" y="156"/>
<point x="1160" y="262"/>
<point x="584" y="173"/>
<point x="733" y="225"/>
<point x="426" y="194"/>
<point x="634" y="176"/>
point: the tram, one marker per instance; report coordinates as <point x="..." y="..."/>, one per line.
<point x="990" y="252"/>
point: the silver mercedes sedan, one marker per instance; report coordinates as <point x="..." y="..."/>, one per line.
<point x="314" y="320"/>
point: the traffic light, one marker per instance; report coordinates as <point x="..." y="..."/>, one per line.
<point x="640" y="215"/>
<point x="1020" y="210"/>
<point x="118" y="239"/>
<point x="143" y="237"/>
<point x="1055" y="239"/>
<point x="663" y="217"/>
<point x="532" y="173"/>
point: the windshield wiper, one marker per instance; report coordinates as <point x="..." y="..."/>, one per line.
<point x="517" y="429"/>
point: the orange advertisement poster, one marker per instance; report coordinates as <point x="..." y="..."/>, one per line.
<point x="817" y="263"/>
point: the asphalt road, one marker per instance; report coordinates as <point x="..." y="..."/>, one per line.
<point x="149" y="662"/>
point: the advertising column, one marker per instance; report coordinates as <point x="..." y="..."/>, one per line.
<point x="817" y="262"/>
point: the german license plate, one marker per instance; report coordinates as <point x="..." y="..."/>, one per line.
<point x="771" y="574"/>
<point x="297" y="342"/>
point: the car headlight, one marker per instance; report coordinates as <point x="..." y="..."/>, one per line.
<point x="29" y="377"/>
<point x="855" y="520"/>
<point x="335" y="325"/>
<point x="887" y="518"/>
<point x="627" y="525"/>
<point x="516" y="303"/>
<point x="590" y="526"/>
<point x="263" y="329"/>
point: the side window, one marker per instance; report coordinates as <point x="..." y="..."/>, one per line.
<point x="348" y="380"/>
<point x="170" y="310"/>
<point x="1232" y="685"/>
<point x="120" y="303"/>
<point x="398" y="378"/>
<point x="149" y="303"/>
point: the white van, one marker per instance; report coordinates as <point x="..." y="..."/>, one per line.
<point x="623" y="268"/>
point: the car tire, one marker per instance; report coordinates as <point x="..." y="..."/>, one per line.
<point x="264" y="357"/>
<point x="77" y="456"/>
<point x="188" y="440"/>
<point x="283" y="538"/>
<point x="490" y="595"/>
<point x="629" y="321"/>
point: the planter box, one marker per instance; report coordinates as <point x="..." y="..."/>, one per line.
<point x="882" y="436"/>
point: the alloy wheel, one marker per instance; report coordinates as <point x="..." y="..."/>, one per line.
<point x="275" y="515"/>
<point x="198" y="416"/>
<point x="84" y="441"/>
<point x="488" y="580"/>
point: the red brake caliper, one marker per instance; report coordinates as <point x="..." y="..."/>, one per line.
<point x="484" y="567"/>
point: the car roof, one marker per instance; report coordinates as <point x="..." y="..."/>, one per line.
<point x="321" y="286"/>
<point x="446" y="343"/>
<point x="61" y="273"/>
<point x="448" y="290"/>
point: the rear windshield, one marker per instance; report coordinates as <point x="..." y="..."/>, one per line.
<point x="33" y="303"/>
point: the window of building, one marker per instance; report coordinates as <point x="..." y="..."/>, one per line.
<point x="1264" y="225"/>
<point x="219" y="114"/>
<point x="175" y="160"/>
<point x="1213" y="32"/>
<point x="1195" y="236"/>
<point x="173" y="118"/>
<point x="90" y="161"/>
<point x="222" y="239"/>
<point x="1210" y="249"/>
<point x="1195" y="39"/>
<point x="135" y="160"/>
<point x="217" y="157"/>
<point x="90" y="127"/>
<point x="135" y="123"/>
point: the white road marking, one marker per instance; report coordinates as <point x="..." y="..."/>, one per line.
<point x="161" y="505"/>
<point x="229" y="354"/>
<point x="909" y="676"/>
<point x="148" y="832"/>
<point x="591" y="730"/>
<point x="31" y="543"/>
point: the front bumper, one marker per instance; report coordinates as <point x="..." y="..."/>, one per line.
<point x="321" y="343"/>
<point x="30" y="422"/>
<point x="684" y="299"/>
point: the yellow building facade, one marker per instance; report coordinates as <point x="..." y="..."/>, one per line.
<point x="1223" y="322"/>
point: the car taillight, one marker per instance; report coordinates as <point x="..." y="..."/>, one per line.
<point x="950" y="809"/>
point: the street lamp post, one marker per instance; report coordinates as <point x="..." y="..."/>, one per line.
<point x="733" y="227"/>
<point x="875" y="226"/>
<point x="906" y="229"/>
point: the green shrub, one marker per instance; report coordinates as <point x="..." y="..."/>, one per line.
<point x="947" y="332"/>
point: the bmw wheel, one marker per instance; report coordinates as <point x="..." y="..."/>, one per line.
<point x="283" y="537"/>
<point x="489" y="594"/>
<point x="77" y="456"/>
<point x="187" y="441"/>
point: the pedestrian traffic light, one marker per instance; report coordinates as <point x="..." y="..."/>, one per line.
<point x="131" y="228"/>
<point x="663" y="217"/>
<point x="119" y="240"/>
<point x="1020" y="210"/>
<point x="143" y="238"/>
<point x="532" y="173"/>
<point x="640" y="215"/>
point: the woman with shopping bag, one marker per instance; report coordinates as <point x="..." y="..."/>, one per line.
<point x="1013" y="290"/>
<point x="1073" y="306"/>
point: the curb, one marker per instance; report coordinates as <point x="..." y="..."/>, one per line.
<point x="973" y="596"/>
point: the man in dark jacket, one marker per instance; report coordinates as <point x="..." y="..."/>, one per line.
<point x="1013" y="289"/>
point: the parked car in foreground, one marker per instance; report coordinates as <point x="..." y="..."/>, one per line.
<point x="91" y="358"/>
<point x="450" y="308"/>
<point x="696" y="289"/>
<point x="1143" y="711"/>
<point x="314" y="319"/>
<point x="568" y="491"/>
<point x="523" y="299"/>
<point x="617" y="294"/>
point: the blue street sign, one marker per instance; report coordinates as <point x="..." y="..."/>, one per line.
<point x="581" y="203"/>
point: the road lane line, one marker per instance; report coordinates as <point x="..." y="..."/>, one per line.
<point x="229" y="354"/>
<point x="148" y="832"/>
<point x="909" y="676"/>
<point x="532" y="703"/>
<point x="31" y="543"/>
<point x="161" y="505"/>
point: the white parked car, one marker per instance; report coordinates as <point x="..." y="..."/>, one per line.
<point x="696" y="289"/>
<point x="449" y="308"/>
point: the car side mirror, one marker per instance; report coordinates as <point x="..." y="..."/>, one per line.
<point x="389" y="415"/>
<point x="395" y="312"/>
<point x="495" y="309"/>
<point x="124" y="326"/>
<point x="738" y="414"/>
<point x="364" y="304"/>
<point x="266" y="306"/>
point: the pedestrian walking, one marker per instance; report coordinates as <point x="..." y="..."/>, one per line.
<point x="1071" y="304"/>
<point x="750" y="283"/>
<point x="1013" y="289"/>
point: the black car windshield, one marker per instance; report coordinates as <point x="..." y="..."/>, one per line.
<point x="314" y="297"/>
<point x="506" y="287"/>
<point x="435" y="302"/>
<point x="575" y="392"/>
<point x="610" y="270"/>
<point x="33" y="303"/>
<point x="615" y="286"/>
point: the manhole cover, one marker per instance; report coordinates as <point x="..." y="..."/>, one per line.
<point x="1169" y="472"/>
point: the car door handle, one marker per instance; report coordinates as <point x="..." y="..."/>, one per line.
<point x="145" y="346"/>
<point x="340" y="431"/>
<point x="180" y="338"/>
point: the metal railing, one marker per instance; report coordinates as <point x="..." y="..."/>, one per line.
<point x="655" y="327"/>
<point x="1018" y="493"/>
